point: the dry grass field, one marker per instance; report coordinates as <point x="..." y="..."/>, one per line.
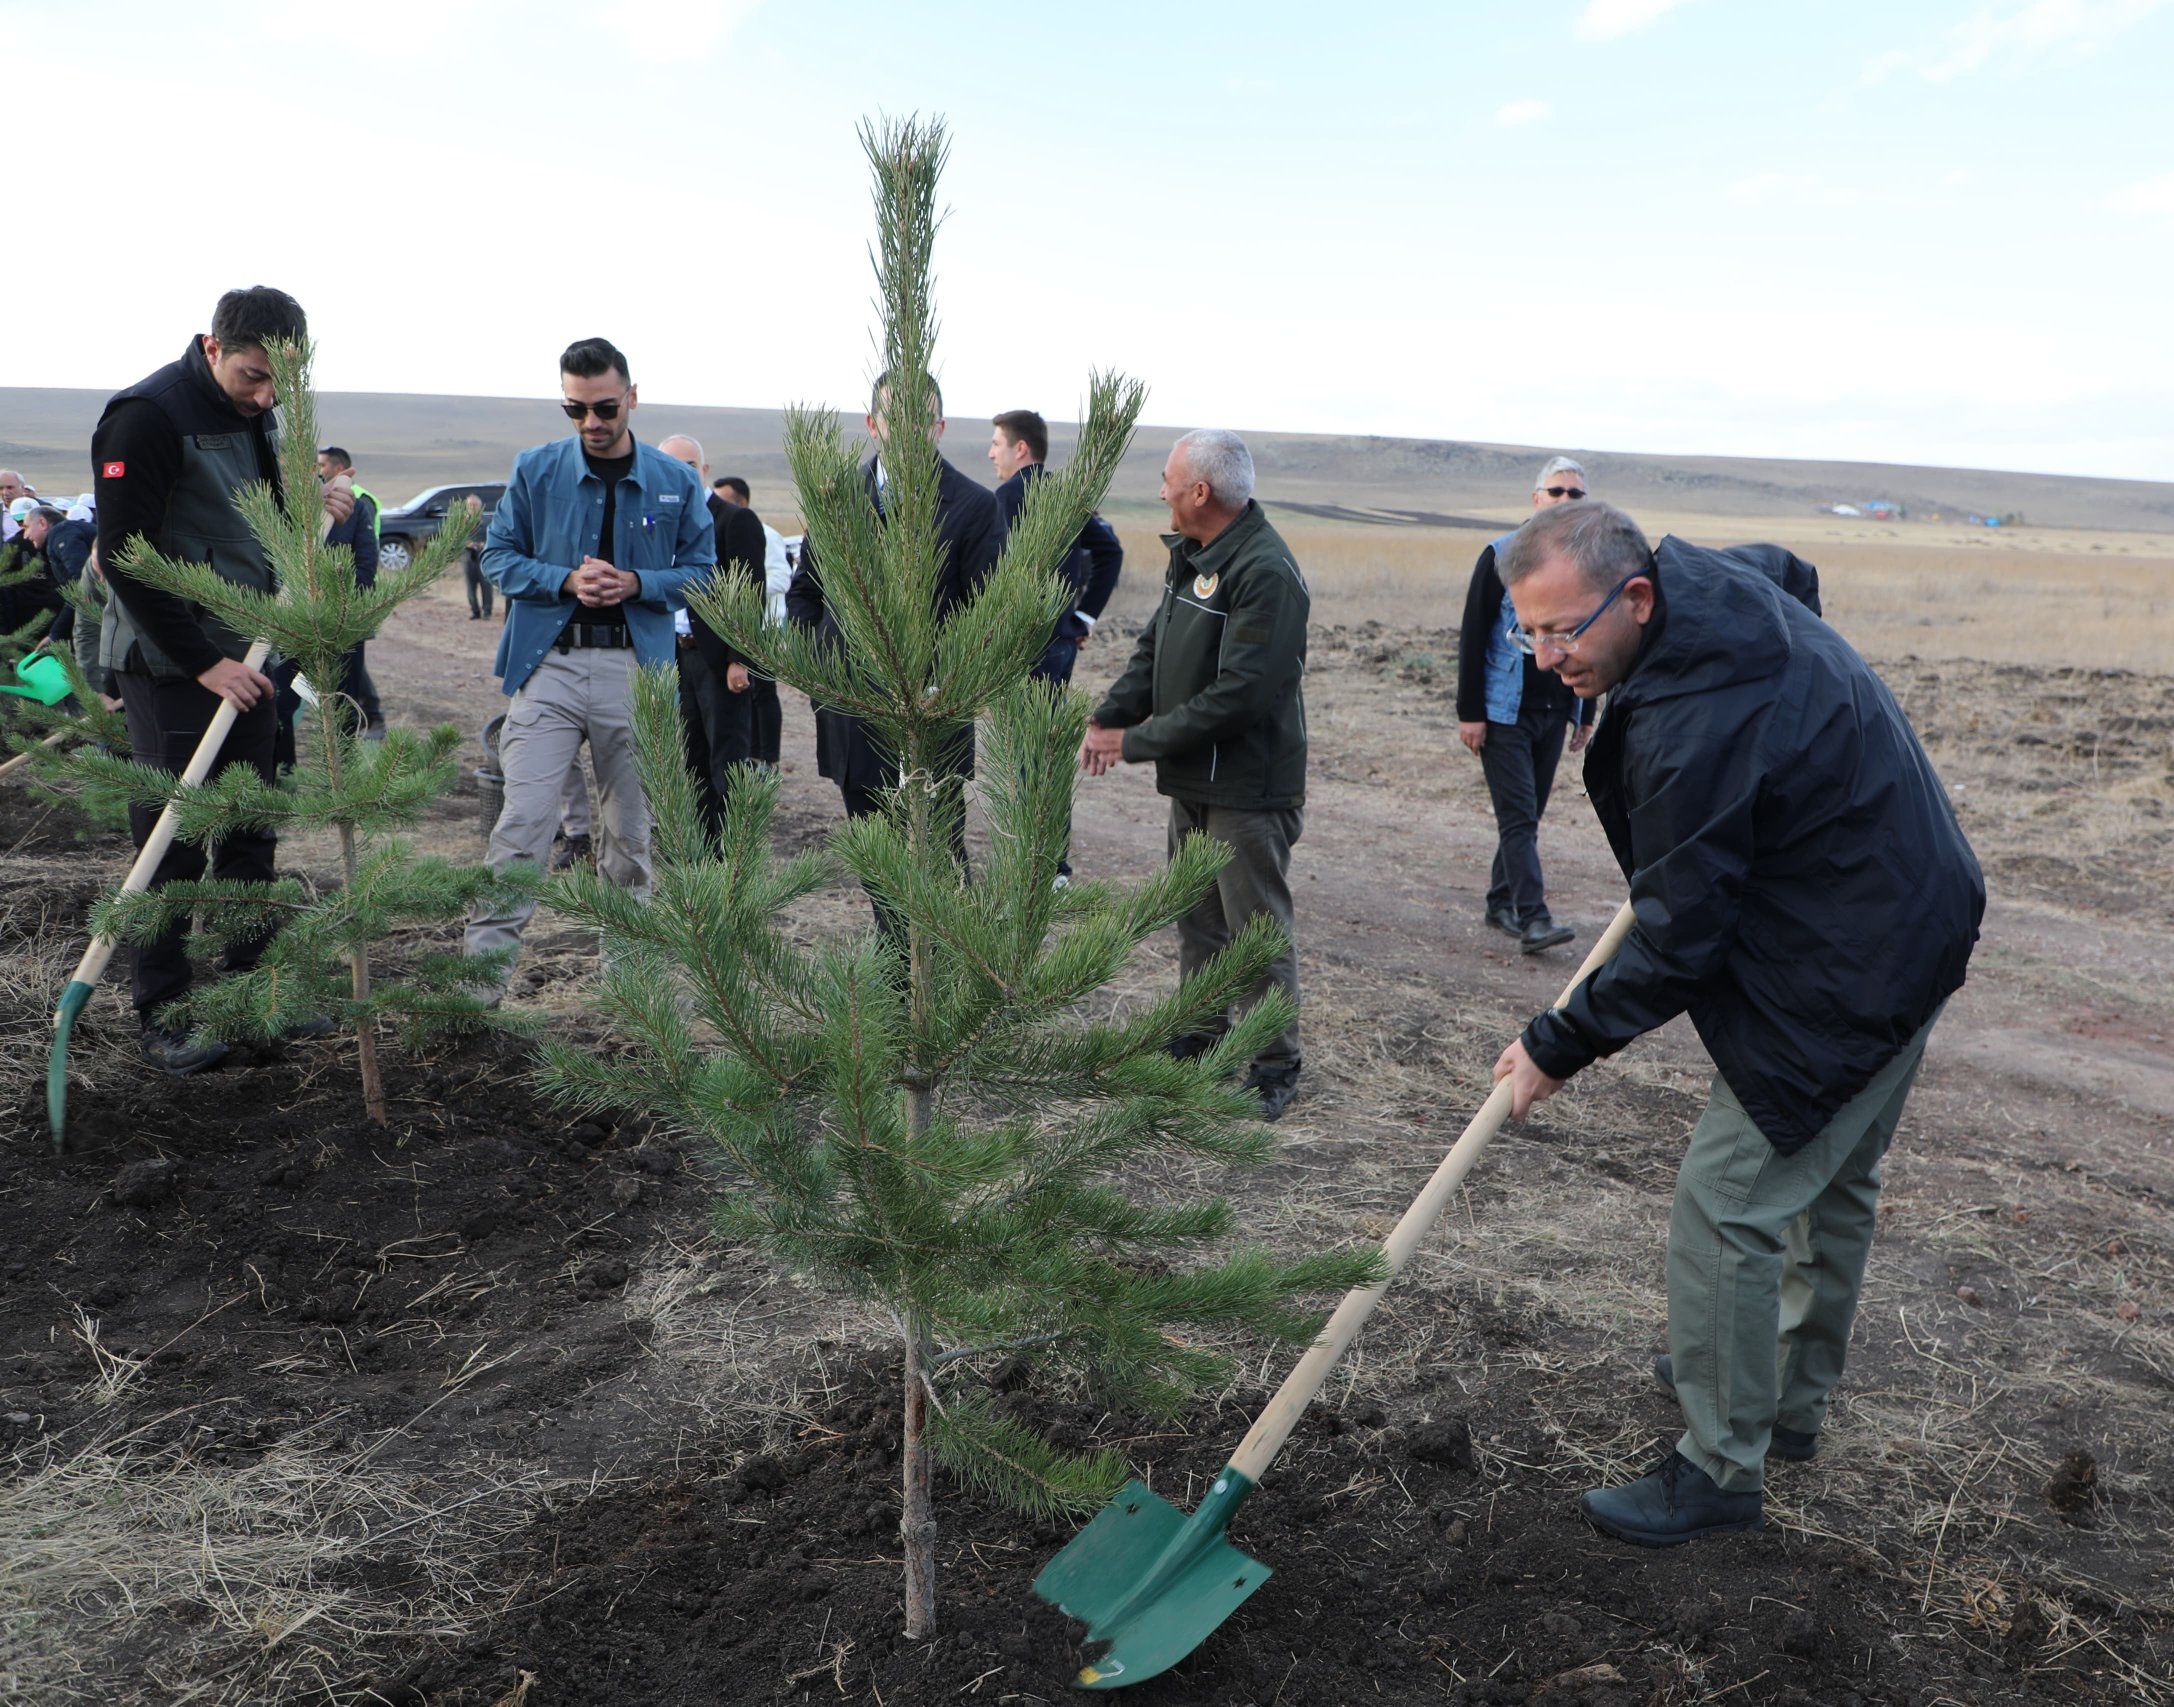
<point x="323" y="1426"/>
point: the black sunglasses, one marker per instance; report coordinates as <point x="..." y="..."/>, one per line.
<point x="608" y="410"/>
<point x="1573" y="493"/>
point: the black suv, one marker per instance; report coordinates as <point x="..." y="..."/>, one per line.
<point x="402" y="531"/>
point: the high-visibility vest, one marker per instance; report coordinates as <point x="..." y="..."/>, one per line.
<point x="376" y="509"/>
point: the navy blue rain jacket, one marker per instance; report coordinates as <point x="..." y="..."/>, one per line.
<point x="1801" y="886"/>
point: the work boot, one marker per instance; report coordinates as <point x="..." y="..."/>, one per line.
<point x="1276" y="1086"/>
<point x="1541" y="931"/>
<point x="573" y="851"/>
<point x="1671" y="1503"/>
<point x="1189" y="1045"/>
<point x="172" y="1050"/>
<point x="1504" y="918"/>
<point x="303" y="1030"/>
<point x="1789" y="1443"/>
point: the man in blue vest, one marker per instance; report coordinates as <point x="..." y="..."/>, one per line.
<point x="593" y="544"/>
<point x="1513" y="715"/>
<point x="169" y="454"/>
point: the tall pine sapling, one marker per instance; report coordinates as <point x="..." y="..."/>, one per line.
<point x="319" y="962"/>
<point x="930" y="1117"/>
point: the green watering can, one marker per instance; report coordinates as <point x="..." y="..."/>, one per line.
<point x="44" y="678"/>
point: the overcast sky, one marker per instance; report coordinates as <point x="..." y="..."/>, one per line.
<point x="1936" y="233"/>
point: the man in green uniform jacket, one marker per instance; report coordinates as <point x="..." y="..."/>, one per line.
<point x="1213" y="698"/>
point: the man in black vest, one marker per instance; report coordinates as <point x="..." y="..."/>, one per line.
<point x="169" y="454"/>
<point x="714" y="706"/>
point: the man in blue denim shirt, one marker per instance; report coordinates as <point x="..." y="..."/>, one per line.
<point x="593" y="545"/>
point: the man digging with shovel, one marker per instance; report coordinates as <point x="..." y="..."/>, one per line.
<point x="1802" y="890"/>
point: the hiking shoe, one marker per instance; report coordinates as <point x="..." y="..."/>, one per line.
<point x="573" y="851"/>
<point x="1671" y="1503"/>
<point x="1505" y="919"/>
<point x="321" y="1025"/>
<point x="173" y="1051"/>
<point x="1189" y="1045"/>
<point x="1277" y="1087"/>
<point x="1542" y="932"/>
<point x="1789" y="1443"/>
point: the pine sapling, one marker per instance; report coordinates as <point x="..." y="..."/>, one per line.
<point x="315" y="945"/>
<point x="946" y="1118"/>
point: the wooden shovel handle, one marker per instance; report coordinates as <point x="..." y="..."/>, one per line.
<point x="23" y="758"/>
<point x="1273" y="1426"/>
<point x="93" y="963"/>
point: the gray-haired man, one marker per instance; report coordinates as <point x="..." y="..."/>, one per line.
<point x="1213" y="697"/>
<point x="1512" y="714"/>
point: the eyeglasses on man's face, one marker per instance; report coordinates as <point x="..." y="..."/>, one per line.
<point x="1573" y="493"/>
<point x="1567" y="644"/>
<point x="605" y="409"/>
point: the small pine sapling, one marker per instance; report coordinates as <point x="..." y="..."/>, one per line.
<point x="940" y="1117"/>
<point x="317" y="961"/>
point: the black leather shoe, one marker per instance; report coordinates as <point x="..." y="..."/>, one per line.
<point x="573" y="851"/>
<point x="322" y="1025"/>
<point x="1671" y="1503"/>
<point x="1789" y="1443"/>
<point x="1504" y="919"/>
<point x="1542" y="932"/>
<point x="1277" y="1087"/>
<point x="1188" y="1046"/>
<point x="175" y="1052"/>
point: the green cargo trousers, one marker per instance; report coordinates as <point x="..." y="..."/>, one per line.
<point x="1766" y="1257"/>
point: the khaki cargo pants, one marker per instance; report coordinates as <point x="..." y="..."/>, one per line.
<point x="583" y="694"/>
<point x="1766" y="1257"/>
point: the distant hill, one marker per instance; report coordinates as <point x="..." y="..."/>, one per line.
<point x="403" y="443"/>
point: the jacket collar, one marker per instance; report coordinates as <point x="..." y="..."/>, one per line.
<point x="1209" y="559"/>
<point x="583" y="471"/>
<point x="1715" y="624"/>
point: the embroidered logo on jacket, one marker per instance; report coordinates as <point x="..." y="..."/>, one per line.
<point x="1204" y="586"/>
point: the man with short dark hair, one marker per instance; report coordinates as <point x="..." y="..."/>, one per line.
<point x="765" y="716"/>
<point x="1018" y="451"/>
<point x="1214" y="698"/>
<point x="1513" y="715"/>
<point x="170" y="454"/>
<point x="359" y="534"/>
<point x="1803" y="892"/>
<point x="969" y="532"/>
<point x="714" y="681"/>
<point x="593" y="544"/>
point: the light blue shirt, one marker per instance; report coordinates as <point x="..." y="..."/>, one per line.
<point x="551" y="518"/>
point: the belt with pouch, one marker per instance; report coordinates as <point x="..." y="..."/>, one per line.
<point x="597" y="634"/>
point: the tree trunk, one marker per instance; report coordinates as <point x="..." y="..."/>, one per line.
<point x="917" y="1520"/>
<point x="373" y="1085"/>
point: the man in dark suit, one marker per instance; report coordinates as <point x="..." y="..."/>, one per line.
<point x="713" y="679"/>
<point x="1018" y="449"/>
<point x="969" y="531"/>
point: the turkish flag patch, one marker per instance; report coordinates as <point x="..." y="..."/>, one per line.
<point x="114" y="470"/>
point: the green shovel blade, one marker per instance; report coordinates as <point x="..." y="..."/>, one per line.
<point x="72" y="1002"/>
<point x="1150" y="1583"/>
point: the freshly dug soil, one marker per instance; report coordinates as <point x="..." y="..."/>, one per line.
<point x="707" y="1453"/>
